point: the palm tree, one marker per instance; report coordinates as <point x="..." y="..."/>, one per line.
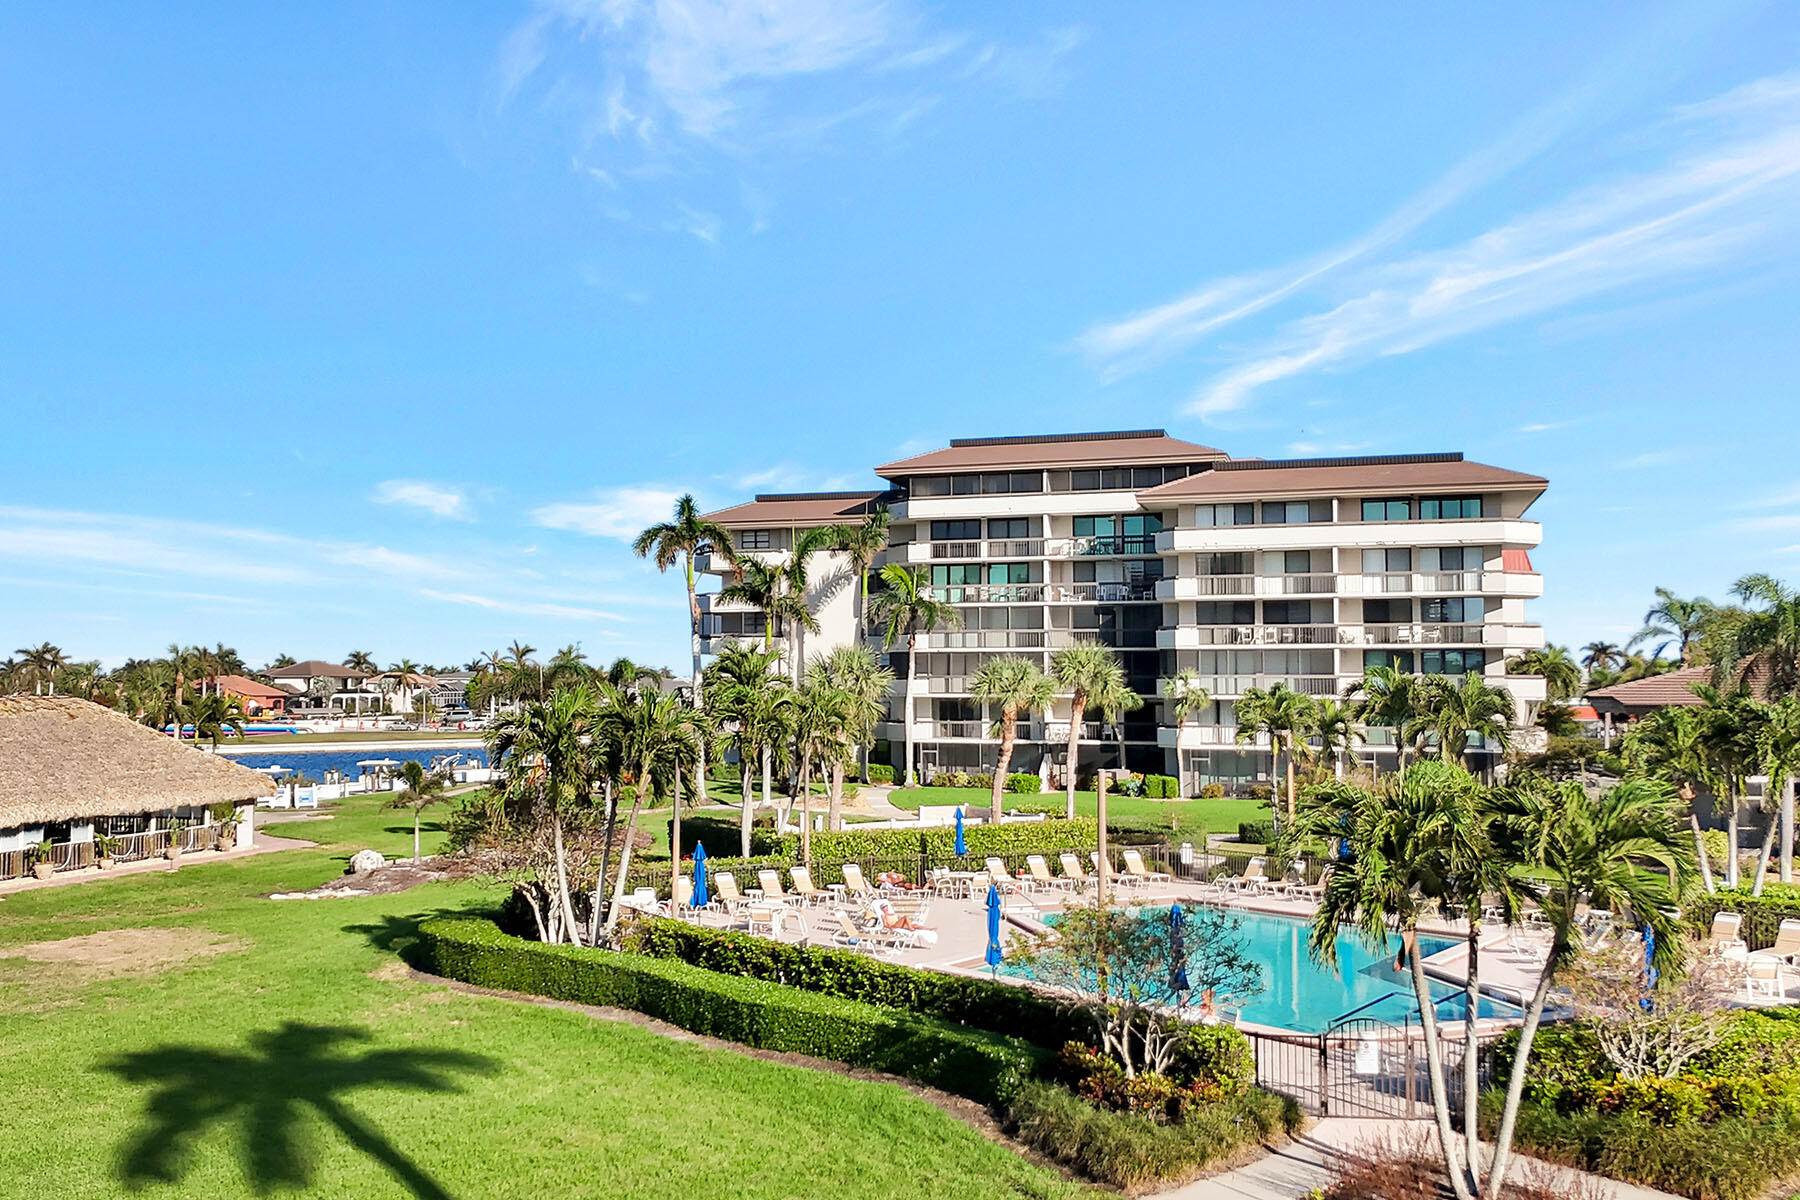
<point x="1419" y="844"/>
<point x="212" y="716"/>
<point x="423" y="789"/>
<point x="1601" y="656"/>
<point x="855" y="671"/>
<point x="1185" y="698"/>
<point x="361" y="660"/>
<point x="1451" y="712"/>
<point x="1562" y="677"/>
<point x="1112" y="699"/>
<point x="1778" y="750"/>
<point x="861" y="544"/>
<point x="1730" y="730"/>
<point x="686" y="537"/>
<point x="1287" y="717"/>
<point x="544" y="745"/>
<point x="658" y="744"/>
<point x="1673" y="621"/>
<point x="1386" y="697"/>
<point x="824" y="721"/>
<point x="905" y="607"/>
<point x="1082" y="670"/>
<point x="1338" y="734"/>
<point x="41" y="663"/>
<point x="796" y="583"/>
<point x="1015" y="686"/>
<point x="283" y="660"/>
<point x="1622" y="851"/>
<point x="1669" y="745"/>
<point x="739" y="679"/>
<point x="760" y="585"/>
<point x="1765" y="642"/>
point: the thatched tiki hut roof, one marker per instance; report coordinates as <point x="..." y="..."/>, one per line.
<point x="65" y="759"/>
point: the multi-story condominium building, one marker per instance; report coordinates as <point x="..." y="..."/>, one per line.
<point x="1244" y="572"/>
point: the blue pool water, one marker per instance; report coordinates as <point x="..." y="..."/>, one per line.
<point x="314" y="763"/>
<point x="1302" y="995"/>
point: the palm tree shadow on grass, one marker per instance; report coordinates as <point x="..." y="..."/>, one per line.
<point x="264" y="1089"/>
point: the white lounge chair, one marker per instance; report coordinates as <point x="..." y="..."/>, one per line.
<point x="1765" y="976"/>
<point x="845" y="934"/>
<point x="1726" y="934"/>
<point x="1787" y="943"/>
<point x="1040" y="874"/>
<point x="1135" y="868"/>
<point x="1251" y="881"/>
<point x="1104" y="867"/>
<point x="770" y="880"/>
<point x="804" y="889"/>
<point x="858" y="886"/>
<point x="1073" y="871"/>
<point x="997" y="871"/>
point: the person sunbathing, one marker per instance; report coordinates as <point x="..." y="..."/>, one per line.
<point x="890" y="919"/>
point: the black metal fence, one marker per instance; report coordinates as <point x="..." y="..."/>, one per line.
<point x="1366" y="1068"/>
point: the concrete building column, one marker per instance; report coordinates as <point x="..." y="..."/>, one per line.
<point x="246" y="816"/>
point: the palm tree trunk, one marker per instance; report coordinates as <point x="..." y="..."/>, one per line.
<point x="1471" y="1081"/>
<point x="912" y="669"/>
<point x="1077" y="710"/>
<point x="1706" y="871"/>
<point x="1434" y="1066"/>
<point x="612" y="817"/>
<point x="637" y="802"/>
<point x="675" y="842"/>
<point x="1787" y="831"/>
<point x="699" y="698"/>
<point x="1515" y="1087"/>
<point x="1731" y="836"/>
<point x="1105" y="862"/>
<point x="1768" y="850"/>
<point x="415" y="837"/>
<point x="806" y="811"/>
<point x="1291" y="751"/>
<point x="562" y="878"/>
<point x="768" y="774"/>
<point x="835" y="814"/>
<point x="747" y="807"/>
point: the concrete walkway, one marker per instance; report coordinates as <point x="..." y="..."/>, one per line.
<point x="1296" y="1170"/>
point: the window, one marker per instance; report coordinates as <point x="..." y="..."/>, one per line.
<point x="1296" y="562"/>
<point x="1387" y="510"/>
<point x="1449" y="508"/>
<point x="1208" y="515"/>
<point x="955" y="573"/>
<point x="1236" y="563"/>
<point x="1144" y="523"/>
<point x="1376" y="562"/>
<point x="1452" y="662"/>
<point x="1093" y="526"/>
<point x="1400" y="660"/>
<point x="955" y="531"/>
<point x="1009" y="572"/>
<point x="929" y="485"/>
<point x="1009" y="527"/>
<point x="1450" y="609"/>
<point x="1458" y="558"/>
<point x="1387" y="612"/>
<point x="1084" y="481"/>
<point x="1287" y="612"/>
<point x="1295" y="512"/>
<point x="1144" y="569"/>
<point x="755" y="539"/>
<point x="1226" y="612"/>
<point x="965" y="485"/>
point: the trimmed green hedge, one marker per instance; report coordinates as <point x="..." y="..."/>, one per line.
<point x="1129" y="1151"/>
<point x="1023" y="783"/>
<point x="984" y="1067"/>
<point x="880" y="773"/>
<point x="1257" y="833"/>
<point x="980" y="1003"/>
<point x="1763" y="914"/>
<point x="721" y="834"/>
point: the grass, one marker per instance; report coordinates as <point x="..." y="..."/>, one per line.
<point x="298" y="1057"/>
<point x="1216" y="816"/>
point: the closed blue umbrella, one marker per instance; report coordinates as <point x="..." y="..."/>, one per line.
<point x="993" y="946"/>
<point x="1178" y="980"/>
<point x="962" y="847"/>
<point x="700" y="900"/>
<point x="1649" y="966"/>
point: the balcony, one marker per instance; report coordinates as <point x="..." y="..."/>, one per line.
<point x="990" y="593"/>
<point x="995" y="550"/>
<point x="1203" y="587"/>
<point x="1104" y="593"/>
<point x="1103" y="545"/>
<point x="1194" y="637"/>
<point x="1523" y="584"/>
<point x="1296" y="585"/>
<point x="1199" y="737"/>
<point x="1486" y="531"/>
<point x="995" y="639"/>
<point x="1219" y="686"/>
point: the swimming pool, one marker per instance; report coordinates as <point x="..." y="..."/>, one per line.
<point x="1302" y="995"/>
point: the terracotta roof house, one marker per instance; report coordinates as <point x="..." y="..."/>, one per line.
<point x="71" y="769"/>
<point x="1672" y="689"/>
<point x="255" y="696"/>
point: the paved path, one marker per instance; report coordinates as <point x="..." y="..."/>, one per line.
<point x="1294" y="1171"/>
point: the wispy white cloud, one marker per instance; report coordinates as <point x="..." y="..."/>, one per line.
<point x="1312" y="448"/>
<point x="525" y="607"/>
<point x="1728" y="184"/>
<point x="438" y="499"/>
<point x="1546" y="426"/>
<point x="616" y="512"/>
<point x="1652" y="458"/>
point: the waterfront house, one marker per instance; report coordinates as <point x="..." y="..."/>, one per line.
<point x="255" y="697"/>
<point x="71" y="769"/>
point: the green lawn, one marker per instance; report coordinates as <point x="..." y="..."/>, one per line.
<point x="213" y="1043"/>
<point x="1217" y="816"/>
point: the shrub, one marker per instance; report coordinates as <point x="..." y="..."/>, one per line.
<point x="1216" y="1054"/>
<point x="1733" y="1158"/>
<point x="1763" y="914"/>
<point x="721" y="834"/>
<point x="982" y="1066"/>
<point x="1261" y="791"/>
<point x="880" y="773"/>
<point x="1212" y="791"/>
<point x="985" y="781"/>
<point x="1165" y="786"/>
<point x="1128" y="1150"/>
<point x="1023" y="783"/>
<point x="965" y="1000"/>
<point x="1259" y="833"/>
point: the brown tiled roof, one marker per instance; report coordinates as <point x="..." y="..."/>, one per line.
<point x="314" y="667"/>
<point x="1131" y="447"/>
<point x="1403" y="474"/>
<point x="1671" y="689"/>
<point x="241" y="685"/>
<point x="797" y="510"/>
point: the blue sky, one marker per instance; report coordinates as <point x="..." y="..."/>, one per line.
<point x="381" y="326"/>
